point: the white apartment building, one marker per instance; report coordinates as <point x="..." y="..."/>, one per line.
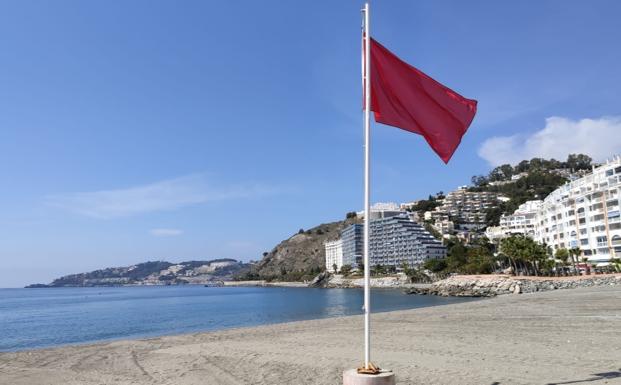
<point x="585" y="213"/>
<point x="334" y="255"/>
<point x="523" y="220"/>
<point x="468" y="207"/>
<point x="381" y="210"/>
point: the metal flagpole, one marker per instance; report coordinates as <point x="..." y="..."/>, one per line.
<point x="367" y="187"/>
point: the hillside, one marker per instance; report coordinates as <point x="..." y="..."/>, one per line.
<point x="301" y="257"/>
<point x="155" y="273"/>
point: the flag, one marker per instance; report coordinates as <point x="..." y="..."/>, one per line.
<point x="402" y="96"/>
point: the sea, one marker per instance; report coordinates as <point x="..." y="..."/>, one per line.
<point x="47" y="317"/>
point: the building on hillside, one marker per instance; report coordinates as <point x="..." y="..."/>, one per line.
<point x="383" y="210"/>
<point x="494" y="233"/>
<point x="585" y="213"/>
<point x="352" y="245"/>
<point x="408" y="205"/>
<point x="334" y="255"/>
<point x="397" y="240"/>
<point x="444" y="227"/>
<point x="522" y="221"/>
<point x="468" y="208"/>
<point x="440" y="222"/>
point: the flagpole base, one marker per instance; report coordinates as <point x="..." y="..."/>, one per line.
<point x="352" y="377"/>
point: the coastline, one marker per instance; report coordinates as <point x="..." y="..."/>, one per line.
<point x="550" y="337"/>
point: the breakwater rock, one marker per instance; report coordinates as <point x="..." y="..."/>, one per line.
<point x="493" y="285"/>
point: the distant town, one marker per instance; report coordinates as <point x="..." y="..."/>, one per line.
<point x="580" y="218"/>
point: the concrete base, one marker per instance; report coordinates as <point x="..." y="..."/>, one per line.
<point x="351" y="377"/>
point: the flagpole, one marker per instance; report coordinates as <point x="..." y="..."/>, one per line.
<point x="367" y="188"/>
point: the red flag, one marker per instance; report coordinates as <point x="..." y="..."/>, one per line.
<point x="404" y="97"/>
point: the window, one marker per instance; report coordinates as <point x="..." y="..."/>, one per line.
<point x="584" y="242"/>
<point x="616" y="240"/>
<point x="602" y="241"/>
<point x="583" y="231"/>
<point x="597" y="217"/>
<point x="609" y="172"/>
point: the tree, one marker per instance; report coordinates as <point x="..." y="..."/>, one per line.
<point x="334" y="268"/>
<point x="346" y="269"/>
<point x="351" y="214"/>
<point x="579" y="162"/>
<point x="379" y="270"/>
<point x="479" y="261"/>
<point x="562" y="255"/>
<point x="456" y="257"/>
<point x="616" y="263"/>
<point x="479" y="180"/>
<point x="435" y="265"/>
<point x="493" y="214"/>
<point x="301" y="231"/>
<point x="574" y="253"/>
<point x="524" y="253"/>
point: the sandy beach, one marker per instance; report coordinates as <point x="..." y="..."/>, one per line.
<point x="556" y="337"/>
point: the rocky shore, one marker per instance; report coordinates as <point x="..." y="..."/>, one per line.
<point x="494" y="285"/>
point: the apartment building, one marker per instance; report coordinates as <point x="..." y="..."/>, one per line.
<point x="585" y="214"/>
<point x="523" y="220"/>
<point x="397" y="240"/>
<point x="334" y="255"/>
<point x="468" y="208"/>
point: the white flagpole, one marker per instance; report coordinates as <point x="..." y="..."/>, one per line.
<point x="367" y="187"/>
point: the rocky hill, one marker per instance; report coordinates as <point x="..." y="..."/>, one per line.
<point x="301" y="257"/>
<point x="155" y="273"/>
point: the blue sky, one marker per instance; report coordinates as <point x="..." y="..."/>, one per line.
<point x="142" y="130"/>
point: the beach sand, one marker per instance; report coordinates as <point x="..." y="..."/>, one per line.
<point x="556" y="337"/>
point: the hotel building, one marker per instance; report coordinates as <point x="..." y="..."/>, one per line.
<point x="584" y="213"/>
<point x="398" y="240"/>
<point x="334" y="255"/>
<point x="394" y="241"/>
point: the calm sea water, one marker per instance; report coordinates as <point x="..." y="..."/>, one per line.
<point x="34" y="318"/>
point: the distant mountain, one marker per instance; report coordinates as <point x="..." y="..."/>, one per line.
<point x="155" y="273"/>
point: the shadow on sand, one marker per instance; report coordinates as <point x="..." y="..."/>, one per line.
<point x="595" y="377"/>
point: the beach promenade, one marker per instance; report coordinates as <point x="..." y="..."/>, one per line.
<point x="557" y="337"/>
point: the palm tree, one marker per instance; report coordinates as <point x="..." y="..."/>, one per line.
<point x="616" y="263"/>
<point x="562" y="255"/>
<point x="575" y="252"/>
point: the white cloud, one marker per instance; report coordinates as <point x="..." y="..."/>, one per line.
<point x="165" y="232"/>
<point x="598" y="138"/>
<point x="159" y="196"/>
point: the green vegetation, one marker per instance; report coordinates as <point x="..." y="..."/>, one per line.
<point x="428" y="204"/>
<point x="346" y="269"/>
<point x="436" y="265"/>
<point x="540" y="179"/>
<point x="525" y="255"/>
